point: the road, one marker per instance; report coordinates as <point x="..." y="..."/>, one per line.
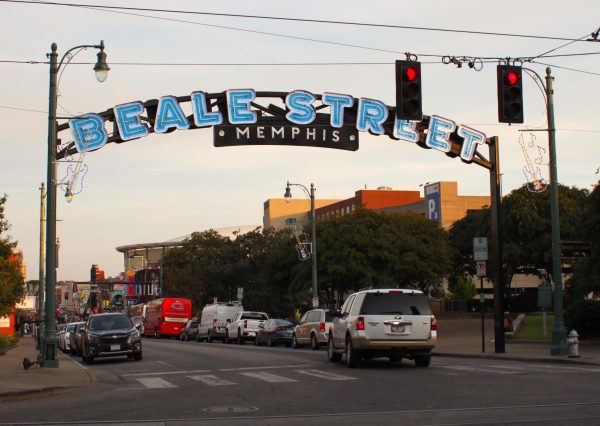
<point x="185" y="383"/>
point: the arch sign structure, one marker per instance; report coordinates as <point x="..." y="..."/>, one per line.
<point x="291" y="119"/>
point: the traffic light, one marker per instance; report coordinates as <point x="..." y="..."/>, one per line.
<point x="66" y="295"/>
<point x="510" y="94"/>
<point x="408" y="91"/>
<point x="93" y="273"/>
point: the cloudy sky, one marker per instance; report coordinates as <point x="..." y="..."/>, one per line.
<point x="165" y="186"/>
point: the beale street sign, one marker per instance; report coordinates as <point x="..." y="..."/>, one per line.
<point x="297" y="118"/>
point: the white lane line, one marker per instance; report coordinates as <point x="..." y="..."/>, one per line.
<point x="211" y="380"/>
<point x="325" y="375"/>
<point x="268" y="377"/>
<point x="163" y="373"/>
<point x="155" y="383"/>
<point x="267" y="368"/>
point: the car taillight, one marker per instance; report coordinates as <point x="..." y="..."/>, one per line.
<point x="321" y="326"/>
<point x="245" y="323"/>
<point x="360" y="323"/>
<point x="433" y="324"/>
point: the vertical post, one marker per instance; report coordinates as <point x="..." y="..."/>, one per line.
<point x="41" y="278"/>
<point x="482" y="303"/>
<point x="496" y="247"/>
<point x="50" y="340"/>
<point x="559" y="333"/>
<point x="315" y="292"/>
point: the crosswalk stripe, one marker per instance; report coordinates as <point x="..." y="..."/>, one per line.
<point x="325" y="375"/>
<point x="211" y="380"/>
<point x="155" y="383"/>
<point x="268" y="377"/>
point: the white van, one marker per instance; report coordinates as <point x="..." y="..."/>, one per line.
<point x="213" y="322"/>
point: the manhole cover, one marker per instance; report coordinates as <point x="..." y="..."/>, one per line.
<point x="230" y="409"/>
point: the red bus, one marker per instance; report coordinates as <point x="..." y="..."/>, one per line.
<point x="166" y="317"/>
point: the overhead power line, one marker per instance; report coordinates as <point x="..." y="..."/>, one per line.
<point x="305" y="20"/>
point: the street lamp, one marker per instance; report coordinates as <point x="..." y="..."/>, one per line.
<point x="101" y="69"/>
<point x="311" y="194"/>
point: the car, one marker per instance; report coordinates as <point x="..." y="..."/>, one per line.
<point x="312" y="329"/>
<point x="61" y="335"/>
<point x="214" y="320"/>
<point x="109" y="335"/>
<point x="394" y="323"/>
<point x="75" y="339"/>
<point x="244" y="326"/>
<point x="190" y="331"/>
<point x="275" y="331"/>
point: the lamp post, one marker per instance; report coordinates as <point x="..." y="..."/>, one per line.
<point x="101" y="69"/>
<point x="311" y="194"/>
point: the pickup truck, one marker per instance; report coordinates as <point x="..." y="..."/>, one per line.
<point x="244" y="326"/>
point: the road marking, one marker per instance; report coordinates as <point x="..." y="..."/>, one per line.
<point x="162" y="373"/>
<point x="325" y="375"/>
<point x="268" y="377"/>
<point x="210" y="380"/>
<point x="155" y="383"/>
<point x="266" y="368"/>
<point x="475" y="369"/>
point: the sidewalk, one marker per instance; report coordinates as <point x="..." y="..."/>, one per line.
<point x="457" y="336"/>
<point x="15" y="380"/>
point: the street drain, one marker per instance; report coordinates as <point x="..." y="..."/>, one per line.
<point x="230" y="409"/>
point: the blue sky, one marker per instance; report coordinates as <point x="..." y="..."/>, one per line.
<point x="164" y="186"/>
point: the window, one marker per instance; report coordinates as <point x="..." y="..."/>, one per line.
<point x="395" y="303"/>
<point x="348" y="305"/>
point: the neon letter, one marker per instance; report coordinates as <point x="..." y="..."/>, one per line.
<point x="169" y="114"/>
<point x="371" y="114"/>
<point x="238" y="106"/>
<point x="89" y="132"/>
<point x="337" y="104"/>
<point x="472" y="138"/>
<point x="202" y="117"/>
<point x="406" y="130"/>
<point x="438" y="135"/>
<point x="128" y="120"/>
<point x="300" y="109"/>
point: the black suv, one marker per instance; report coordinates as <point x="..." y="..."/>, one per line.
<point x="110" y="334"/>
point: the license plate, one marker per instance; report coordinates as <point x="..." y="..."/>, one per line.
<point x="115" y="347"/>
<point x="397" y="328"/>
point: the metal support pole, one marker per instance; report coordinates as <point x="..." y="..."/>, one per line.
<point x="50" y="340"/>
<point x="559" y="333"/>
<point x="482" y="303"/>
<point x="315" y="292"/>
<point x="496" y="247"/>
<point x="41" y="278"/>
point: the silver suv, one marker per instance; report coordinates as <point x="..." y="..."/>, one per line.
<point x="313" y="329"/>
<point x="394" y="323"/>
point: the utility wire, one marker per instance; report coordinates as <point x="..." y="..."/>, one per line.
<point x="566" y="68"/>
<point x="279" y="18"/>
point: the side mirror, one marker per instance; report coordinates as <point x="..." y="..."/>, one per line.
<point x="138" y="326"/>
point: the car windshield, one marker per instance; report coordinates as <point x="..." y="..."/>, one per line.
<point x="283" y="323"/>
<point x="395" y="303"/>
<point x="110" y="322"/>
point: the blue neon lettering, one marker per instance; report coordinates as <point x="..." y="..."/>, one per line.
<point x="337" y="104"/>
<point x="169" y="114"/>
<point x="438" y="136"/>
<point x="472" y="138"/>
<point x="202" y="117"/>
<point x="406" y="130"/>
<point x="128" y="120"/>
<point x="300" y="109"/>
<point x="89" y="132"/>
<point x="371" y="114"/>
<point x="238" y="106"/>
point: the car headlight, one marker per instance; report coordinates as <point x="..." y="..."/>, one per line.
<point x="135" y="335"/>
<point x="94" y="338"/>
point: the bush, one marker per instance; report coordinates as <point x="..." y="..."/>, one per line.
<point x="584" y="317"/>
<point x="6" y="342"/>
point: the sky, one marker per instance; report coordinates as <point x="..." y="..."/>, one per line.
<point x="168" y="185"/>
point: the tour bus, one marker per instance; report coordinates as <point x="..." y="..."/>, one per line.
<point x="137" y="314"/>
<point x="166" y="317"/>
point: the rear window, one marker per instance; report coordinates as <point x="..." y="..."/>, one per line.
<point x="254" y="316"/>
<point x="282" y="323"/>
<point x="70" y="327"/>
<point x="395" y="303"/>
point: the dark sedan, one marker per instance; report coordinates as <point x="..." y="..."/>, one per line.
<point x="190" y="331"/>
<point x="108" y="335"/>
<point x="275" y="332"/>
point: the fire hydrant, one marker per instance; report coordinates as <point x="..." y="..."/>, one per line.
<point x="573" y="343"/>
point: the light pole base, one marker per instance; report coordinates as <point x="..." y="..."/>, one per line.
<point x="559" y="342"/>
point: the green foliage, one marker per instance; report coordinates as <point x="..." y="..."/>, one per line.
<point x="584" y="317"/>
<point x="6" y="342"/>
<point x="11" y="280"/>
<point x="462" y="287"/>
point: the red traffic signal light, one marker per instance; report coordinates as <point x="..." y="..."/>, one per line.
<point x="510" y="94"/>
<point x="408" y="91"/>
<point x="66" y="296"/>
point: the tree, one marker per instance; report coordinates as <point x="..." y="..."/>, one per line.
<point x="11" y="279"/>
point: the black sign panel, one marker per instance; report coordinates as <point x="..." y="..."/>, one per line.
<point x="287" y="134"/>
<point x="575" y="249"/>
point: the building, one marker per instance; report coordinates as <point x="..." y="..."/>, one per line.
<point x="277" y="211"/>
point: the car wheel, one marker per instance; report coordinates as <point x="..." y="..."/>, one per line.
<point x="314" y="343"/>
<point x="186" y="338"/>
<point x="256" y="343"/>
<point x="227" y="340"/>
<point x="72" y="352"/>
<point x="270" y="341"/>
<point x="240" y="339"/>
<point x="209" y="338"/>
<point x="295" y="344"/>
<point x="287" y="345"/>
<point x="352" y="355"/>
<point x="331" y="353"/>
<point x="138" y="356"/>
<point x="422" y="360"/>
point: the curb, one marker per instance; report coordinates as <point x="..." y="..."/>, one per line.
<point x="567" y="361"/>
